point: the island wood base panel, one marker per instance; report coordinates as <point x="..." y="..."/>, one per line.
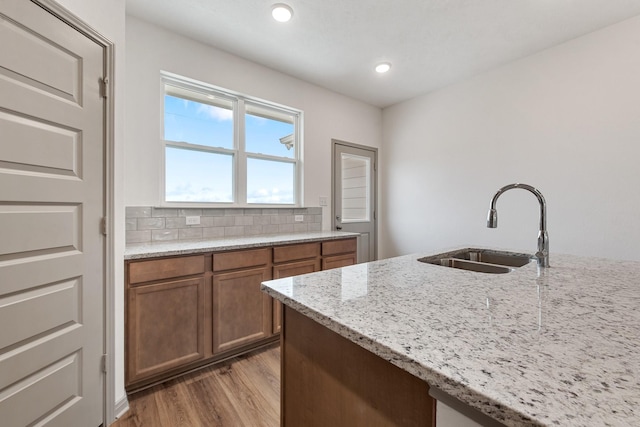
<point x="329" y="381"/>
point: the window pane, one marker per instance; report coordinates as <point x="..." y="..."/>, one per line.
<point x="200" y="123"/>
<point x="355" y="188"/>
<point x="269" y="132"/>
<point x="270" y="182"/>
<point x="198" y="176"/>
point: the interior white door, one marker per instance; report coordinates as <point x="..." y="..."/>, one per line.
<point x="52" y="202"/>
<point x="354" y="195"/>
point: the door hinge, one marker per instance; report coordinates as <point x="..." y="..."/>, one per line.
<point x="104" y="86"/>
<point x="103" y="363"/>
<point x="103" y="225"/>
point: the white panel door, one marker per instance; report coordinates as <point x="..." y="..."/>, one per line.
<point x="51" y="206"/>
<point x="354" y="195"/>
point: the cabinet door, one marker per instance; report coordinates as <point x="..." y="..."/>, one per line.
<point x="338" y="261"/>
<point x="165" y="326"/>
<point x="287" y="270"/>
<point x="241" y="312"/>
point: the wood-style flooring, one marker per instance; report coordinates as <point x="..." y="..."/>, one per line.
<point x="243" y="391"/>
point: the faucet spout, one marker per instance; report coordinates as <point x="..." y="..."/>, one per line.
<point x="543" y="237"/>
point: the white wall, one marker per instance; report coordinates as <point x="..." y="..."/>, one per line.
<point x="565" y="120"/>
<point x="108" y="18"/>
<point x="327" y="115"/>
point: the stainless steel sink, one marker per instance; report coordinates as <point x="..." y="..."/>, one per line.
<point x="494" y="257"/>
<point x="480" y="260"/>
<point x="480" y="267"/>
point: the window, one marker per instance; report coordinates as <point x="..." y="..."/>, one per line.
<point x="355" y="188"/>
<point x="223" y="148"/>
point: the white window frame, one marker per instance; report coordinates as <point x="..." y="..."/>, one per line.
<point x="238" y="151"/>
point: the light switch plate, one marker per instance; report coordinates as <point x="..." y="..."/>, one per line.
<point x="299" y="218"/>
<point x="323" y="201"/>
<point x="193" y="220"/>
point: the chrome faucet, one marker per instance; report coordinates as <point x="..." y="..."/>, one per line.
<point x="543" y="238"/>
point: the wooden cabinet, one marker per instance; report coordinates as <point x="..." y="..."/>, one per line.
<point x="339" y="253"/>
<point x="241" y="311"/>
<point x="292" y="260"/>
<point x="338" y="261"/>
<point x="165" y="318"/>
<point x="188" y="311"/>
<point x="296" y="268"/>
<point x="166" y="268"/>
<point x="300" y="251"/>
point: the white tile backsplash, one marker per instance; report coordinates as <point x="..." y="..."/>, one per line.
<point x="147" y="224"/>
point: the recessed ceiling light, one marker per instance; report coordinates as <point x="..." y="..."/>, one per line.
<point x="281" y="12"/>
<point x="383" y="67"/>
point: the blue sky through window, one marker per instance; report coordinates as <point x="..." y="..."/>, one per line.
<point x="202" y="176"/>
<point x="196" y="123"/>
<point x="198" y="176"/>
<point x="263" y="136"/>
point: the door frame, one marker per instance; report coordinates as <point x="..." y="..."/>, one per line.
<point x="63" y="14"/>
<point x="374" y="193"/>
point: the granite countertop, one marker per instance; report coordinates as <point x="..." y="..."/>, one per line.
<point x="185" y="247"/>
<point x="555" y="346"/>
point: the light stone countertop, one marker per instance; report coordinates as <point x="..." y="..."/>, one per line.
<point x="185" y="247"/>
<point x="556" y="346"/>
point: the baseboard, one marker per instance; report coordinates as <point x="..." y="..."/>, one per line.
<point x="122" y="406"/>
<point x="204" y="364"/>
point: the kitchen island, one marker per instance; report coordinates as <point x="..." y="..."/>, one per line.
<point x="554" y="346"/>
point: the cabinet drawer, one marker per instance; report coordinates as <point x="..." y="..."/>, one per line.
<point x="158" y="269"/>
<point x="334" y="247"/>
<point x="241" y="259"/>
<point x="296" y="252"/>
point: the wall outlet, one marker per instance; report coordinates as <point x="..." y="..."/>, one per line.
<point x="323" y="201"/>
<point x="193" y="220"/>
<point x="299" y="218"/>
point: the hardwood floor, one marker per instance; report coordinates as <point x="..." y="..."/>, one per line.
<point x="244" y="391"/>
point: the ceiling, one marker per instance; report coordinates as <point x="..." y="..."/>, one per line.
<point x="431" y="43"/>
